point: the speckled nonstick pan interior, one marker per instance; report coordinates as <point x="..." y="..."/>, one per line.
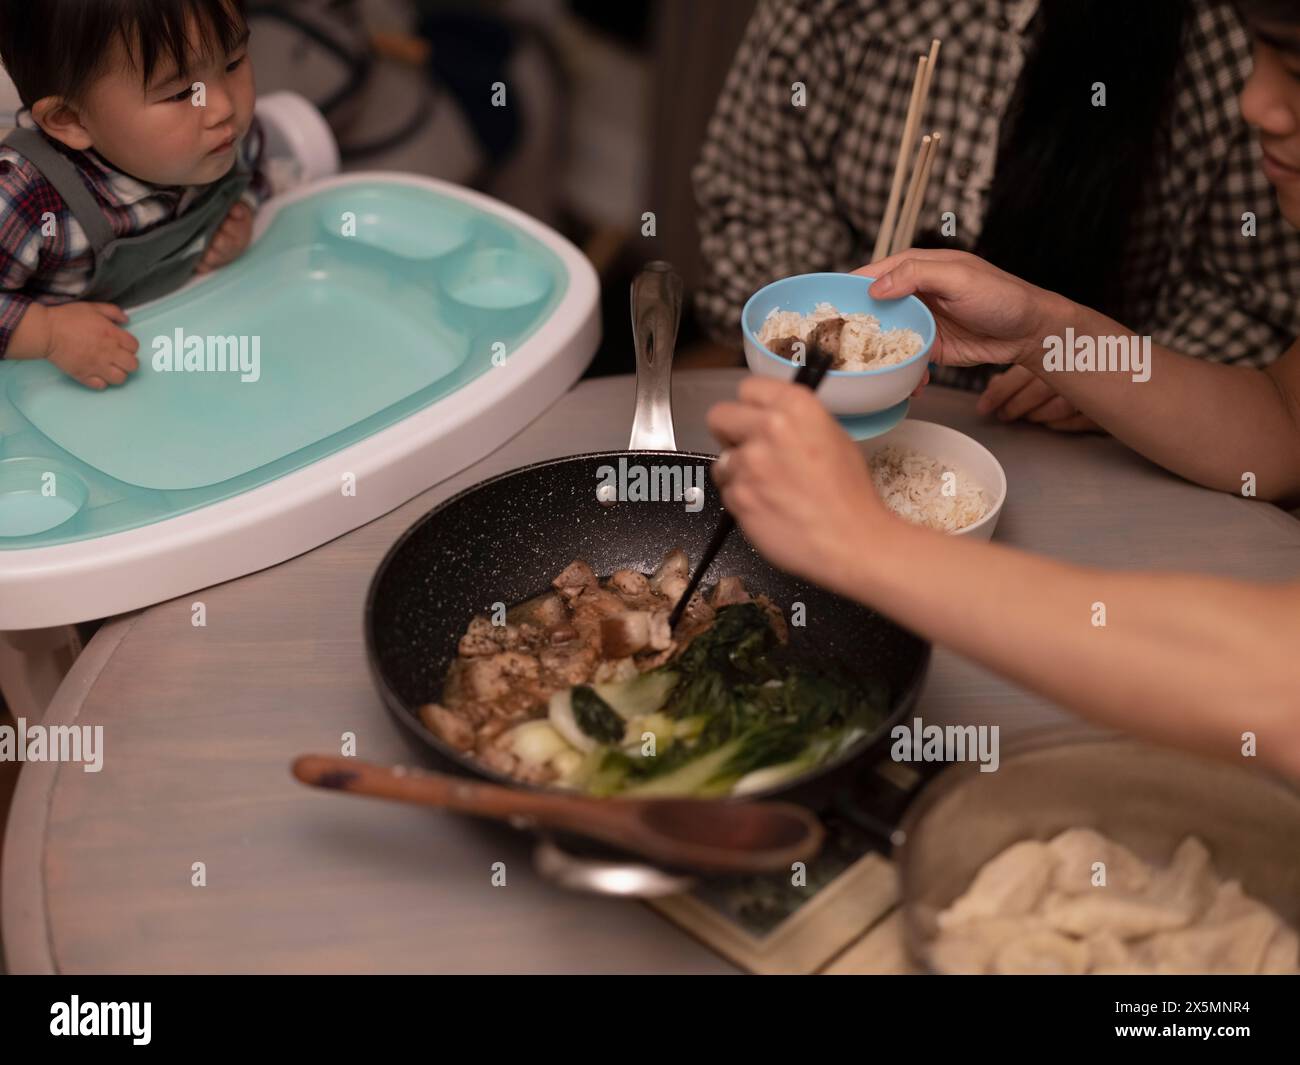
<point x="504" y="540"/>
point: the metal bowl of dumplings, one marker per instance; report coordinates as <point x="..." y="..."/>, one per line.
<point x="1114" y="807"/>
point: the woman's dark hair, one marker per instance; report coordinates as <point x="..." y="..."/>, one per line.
<point x="1069" y="175"/>
<point x="59" y="47"/>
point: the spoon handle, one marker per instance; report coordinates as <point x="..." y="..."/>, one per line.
<point x="419" y="786"/>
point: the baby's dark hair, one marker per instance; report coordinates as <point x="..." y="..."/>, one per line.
<point x="59" y="47"/>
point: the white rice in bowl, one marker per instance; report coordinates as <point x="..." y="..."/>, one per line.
<point x="862" y="344"/>
<point x="913" y="487"/>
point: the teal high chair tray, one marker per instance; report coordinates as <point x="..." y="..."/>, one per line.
<point x="373" y="321"/>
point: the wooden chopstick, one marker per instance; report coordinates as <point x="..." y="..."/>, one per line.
<point x="889" y="225"/>
<point x="922" y="154"/>
<point x="931" y="61"/>
<point x="916" y="203"/>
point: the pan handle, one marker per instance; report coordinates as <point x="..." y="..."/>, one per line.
<point x="656" y="313"/>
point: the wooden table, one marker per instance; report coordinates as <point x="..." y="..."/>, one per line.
<point x="200" y="724"/>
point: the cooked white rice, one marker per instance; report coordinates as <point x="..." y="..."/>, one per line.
<point x="862" y="344"/>
<point x="912" y="486"/>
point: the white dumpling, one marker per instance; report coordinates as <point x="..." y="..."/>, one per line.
<point x="1033" y="909"/>
<point x="1188" y="883"/>
<point x="1236" y="946"/>
<point x="1042" y="953"/>
<point x="1107" y="910"/>
<point x="1076" y="851"/>
<point x="968" y="950"/>
<point x="1229" y="901"/>
<point x="1007" y="886"/>
<point x="1282" y="956"/>
<point x="1107" y="952"/>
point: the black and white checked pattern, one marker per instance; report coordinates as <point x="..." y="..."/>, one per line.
<point x="784" y="189"/>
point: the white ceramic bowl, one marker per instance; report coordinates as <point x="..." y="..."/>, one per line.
<point x="846" y="392"/>
<point x="952" y="449"/>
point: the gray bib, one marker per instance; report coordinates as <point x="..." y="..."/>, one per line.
<point x="133" y="270"/>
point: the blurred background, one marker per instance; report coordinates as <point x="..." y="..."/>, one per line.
<point x="607" y="107"/>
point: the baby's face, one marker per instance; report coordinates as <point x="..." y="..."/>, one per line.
<point x="173" y="131"/>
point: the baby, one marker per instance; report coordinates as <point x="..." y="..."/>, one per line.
<point x="135" y="165"/>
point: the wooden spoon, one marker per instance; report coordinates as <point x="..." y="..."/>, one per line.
<point x="705" y="834"/>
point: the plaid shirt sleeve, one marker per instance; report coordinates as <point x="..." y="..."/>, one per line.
<point x="765" y="208"/>
<point x="25" y="201"/>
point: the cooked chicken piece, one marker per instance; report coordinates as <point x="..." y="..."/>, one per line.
<point x="787" y="347"/>
<point x="774" y="617"/>
<point x="502" y="761"/>
<point x="523" y="699"/>
<point x="473" y="713"/>
<point x="518" y="665"/>
<point x="698" y="614"/>
<point x="480" y="639"/>
<point x="450" y="728"/>
<point x="569" y="664"/>
<point x="550" y="612"/>
<point x="486" y="679"/>
<point x="484" y="638"/>
<point x="727" y="592"/>
<point x="675" y="564"/>
<point x="625" y="635"/>
<point x="629" y="582"/>
<point x="672" y="588"/>
<point x="563" y="634"/>
<point x="826" y="338"/>
<point x="591" y="608"/>
<point x="576" y="577"/>
<point x="611" y="672"/>
<point x="489" y="731"/>
<point x="522" y="637"/>
<point x="654" y="661"/>
<point x="661" y="633"/>
<point x="597" y="603"/>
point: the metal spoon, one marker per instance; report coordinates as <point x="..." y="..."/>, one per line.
<point x="710" y="835"/>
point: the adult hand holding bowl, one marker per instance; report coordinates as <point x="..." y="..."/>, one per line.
<point x="844" y="392"/>
<point x="981" y="314"/>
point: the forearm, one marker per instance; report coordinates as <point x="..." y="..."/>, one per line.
<point x="1210" y="423"/>
<point x="31" y="338"/>
<point x="1184" y="659"/>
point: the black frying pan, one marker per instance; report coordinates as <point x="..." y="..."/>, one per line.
<point x="504" y="540"/>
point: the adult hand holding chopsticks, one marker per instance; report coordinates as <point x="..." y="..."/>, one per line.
<point x="796" y="482"/>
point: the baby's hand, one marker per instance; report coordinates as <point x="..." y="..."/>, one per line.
<point x="228" y="242"/>
<point x="87" y="343"/>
